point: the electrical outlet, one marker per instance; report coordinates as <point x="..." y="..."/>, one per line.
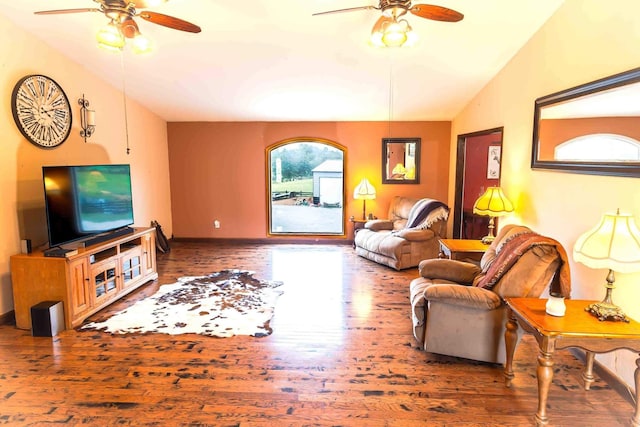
<point x="216" y="224"/>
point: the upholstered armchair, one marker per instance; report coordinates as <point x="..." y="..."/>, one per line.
<point x="458" y="308"/>
<point x="409" y="235"/>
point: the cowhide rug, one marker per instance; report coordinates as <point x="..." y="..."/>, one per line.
<point x="222" y="304"/>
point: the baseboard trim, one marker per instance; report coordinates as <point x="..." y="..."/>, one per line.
<point x="266" y="241"/>
<point x="609" y="377"/>
<point x="8" y="318"/>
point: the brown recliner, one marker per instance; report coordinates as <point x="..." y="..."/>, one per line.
<point x="458" y="307"/>
<point x="409" y="235"/>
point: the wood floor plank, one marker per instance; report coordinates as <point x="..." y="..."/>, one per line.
<point x="341" y="354"/>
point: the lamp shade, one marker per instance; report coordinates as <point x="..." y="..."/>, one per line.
<point x="364" y="191"/>
<point x="613" y="244"/>
<point x="493" y="203"/>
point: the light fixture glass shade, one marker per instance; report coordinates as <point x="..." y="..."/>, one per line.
<point x="395" y="34"/>
<point x="613" y="244"/>
<point x="377" y="31"/>
<point x="389" y="32"/>
<point x="141" y="44"/>
<point x="110" y="37"/>
<point x="364" y="191"/>
<point x="493" y="203"/>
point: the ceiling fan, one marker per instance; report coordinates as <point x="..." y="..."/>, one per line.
<point x="121" y="14"/>
<point x="391" y="31"/>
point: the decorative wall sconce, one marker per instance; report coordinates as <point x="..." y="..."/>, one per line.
<point x="87" y="119"/>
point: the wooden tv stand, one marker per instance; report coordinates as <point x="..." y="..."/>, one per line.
<point x="85" y="282"/>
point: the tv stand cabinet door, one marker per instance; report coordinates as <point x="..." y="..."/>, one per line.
<point x="149" y="253"/>
<point x="104" y="283"/>
<point x="80" y="297"/>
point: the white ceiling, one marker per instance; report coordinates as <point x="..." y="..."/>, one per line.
<point x="271" y="60"/>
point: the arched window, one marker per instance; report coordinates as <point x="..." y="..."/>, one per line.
<point x="599" y="147"/>
<point x="306" y="187"/>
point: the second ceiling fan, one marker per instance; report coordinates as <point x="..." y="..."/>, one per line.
<point x="390" y="30"/>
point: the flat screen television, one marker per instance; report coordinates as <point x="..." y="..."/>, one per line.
<point x="86" y="201"/>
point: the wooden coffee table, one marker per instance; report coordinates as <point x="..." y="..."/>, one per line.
<point x="577" y="328"/>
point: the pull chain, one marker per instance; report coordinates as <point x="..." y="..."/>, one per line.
<point x="124" y="100"/>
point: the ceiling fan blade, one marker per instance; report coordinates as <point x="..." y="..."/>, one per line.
<point x="436" y="13"/>
<point x="350" y="9"/>
<point x="169" y="21"/>
<point x="54" y="12"/>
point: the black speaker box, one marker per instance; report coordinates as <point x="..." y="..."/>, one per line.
<point x="47" y="319"/>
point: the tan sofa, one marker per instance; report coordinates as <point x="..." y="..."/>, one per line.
<point x="458" y="307"/>
<point x="409" y="235"/>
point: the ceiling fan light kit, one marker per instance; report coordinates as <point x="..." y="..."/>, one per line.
<point x="390" y="31"/>
<point x="122" y="26"/>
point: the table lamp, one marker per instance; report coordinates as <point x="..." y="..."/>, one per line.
<point x="613" y="244"/>
<point x="364" y="191"/>
<point x="492" y="203"/>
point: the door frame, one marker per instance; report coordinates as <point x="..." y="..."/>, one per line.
<point x="461" y="146"/>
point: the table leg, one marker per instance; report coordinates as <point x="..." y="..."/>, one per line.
<point x="545" y="375"/>
<point x="510" y="339"/>
<point x="587" y="374"/>
<point x="635" y="421"/>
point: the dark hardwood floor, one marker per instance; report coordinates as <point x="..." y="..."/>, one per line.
<point x="341" y="354"/>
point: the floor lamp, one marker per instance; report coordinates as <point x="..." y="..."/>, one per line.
<point x="364" y="191"/>
<point x="492" y="203"/>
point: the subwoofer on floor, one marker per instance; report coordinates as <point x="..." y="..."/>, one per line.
<point x="47" y="319"/>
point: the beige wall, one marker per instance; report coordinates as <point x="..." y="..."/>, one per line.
<point x="218" y="169"/>
<point x="22" y="212"/>
<point x="585" y="40"/>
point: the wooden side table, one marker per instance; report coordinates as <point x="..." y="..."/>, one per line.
<point x="577" y="328"/>
<point x="462" y="249"/>
<point x="358" y="224"/>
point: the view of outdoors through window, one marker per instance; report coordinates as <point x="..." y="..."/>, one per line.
<point x="306" y="188"/>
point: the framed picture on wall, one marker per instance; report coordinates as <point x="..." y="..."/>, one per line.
<point x="493" y="162"/>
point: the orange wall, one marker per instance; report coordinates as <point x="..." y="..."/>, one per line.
<point x="218" y="169"/>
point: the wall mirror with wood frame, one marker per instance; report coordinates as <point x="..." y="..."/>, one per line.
<point x="401" y="160"/>
<point x="593" y="128"/>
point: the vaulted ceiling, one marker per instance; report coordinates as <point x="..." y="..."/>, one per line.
<point x="271" y="60"/>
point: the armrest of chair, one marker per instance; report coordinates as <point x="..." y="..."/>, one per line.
<point x="448" y="269"/>
<point x="415" y="234"/>
<point x="379" y="224"/>
<point x="466" y="296"/>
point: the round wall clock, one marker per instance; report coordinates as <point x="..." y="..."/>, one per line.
<point x="41" y="111"/>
